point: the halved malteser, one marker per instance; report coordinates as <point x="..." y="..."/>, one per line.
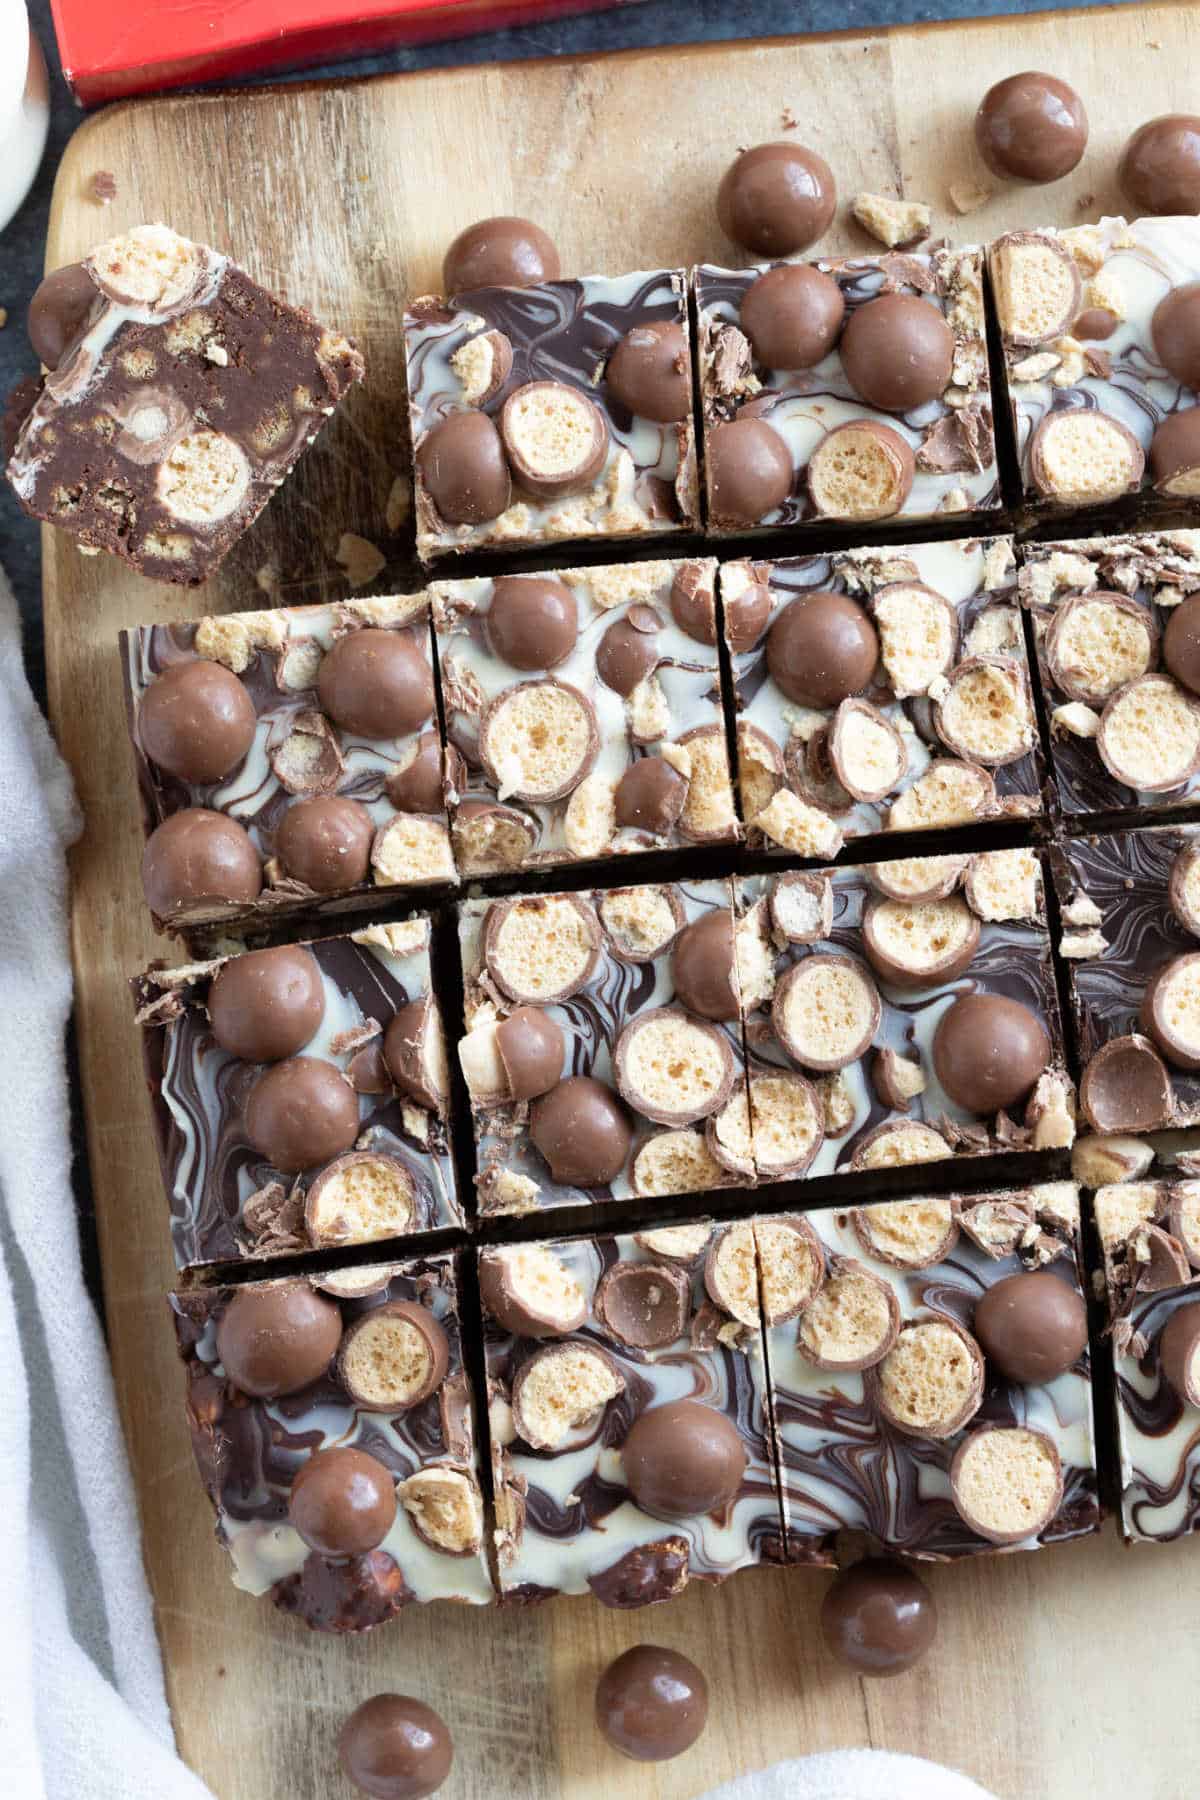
<point x="309" y="760"/>
<point x="917" y="877"/>
<point x="555" y="438"/>
<point x="853" y="1322"/>
<point x="1184" y="1218"/>
<point x="1126" y="1087"/>
<point x="414" y="1049"/>
<point x="1179" y="1353"/>
<point x="826" y="1011"/>
<point x="531" y="1292"/>
<point x="489" y="838"/>
<point x="1096" y="642"/>
<point x="1149" y="735"/>
<point x="537" y="740"/>
<point x="1036" y="286"/>
<point x="408" y="849"/>
<point x="897" y="1143"/>
<point x="643" y="1305"/>
<point x="444" y="1507"/>
<point x="931" y="1381"/>
<point x="1183" y="889"/>
<point x="996" y="1223"/>
<point x="708" y="813"/>
<point x="1004" y="884"/>
<point x="909" y="1234"/>
<point x="358" y="1280"/>
<point x="1007" y="1482"/>
<point x="362" y="1195"/>
<point x="640" y="922"/>
<point x="483" y="364"/>
<point x="541" y="948"/>
<point x="731" y="1273"/>
<point x="947" y="792"/>
<point x="788" y="1123"/>
<point x="730" y="1137"/>
<point x="866" y="751"/>
<point x="802" y="907"/>
<point x="1170" y="1010"/>
<point x="677" y="1162"/>
<point x="985" y="716"/>
<point x="860" y="471"/>
<point x="683" y="1244"/>
<point x="394" y="1357"/>
<point x="915" y="943"/>
<point x="809" y="764"/>
<point x="561" y="1390"/>
<point x="897" y="1079"/>
<point x="791" y="1266"/>
<point x="918" y="635"/>
<point x="673" y="1068"/>
<point x="1084" y="458"/>
<point x="760" y="769"/>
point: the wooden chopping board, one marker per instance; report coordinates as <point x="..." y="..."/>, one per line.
<point x="1067" y="1673"/>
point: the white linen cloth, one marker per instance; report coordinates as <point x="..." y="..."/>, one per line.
<point x="83" y="1713"/>
<point x="852" y="1775"/>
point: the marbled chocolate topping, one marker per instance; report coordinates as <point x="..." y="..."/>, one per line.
<point x="228" y="376"/>
<point x="568" y="1523"/>
<point x="277" y="655"/>
<point x="225" y="1201"/>
<point x="845" y="1468"/>
<point x="249" y="1452"/>
<point x="1156" y="571"/>
<point x="951" y="435"/>
<point x="562" y="331"/>
<point x="977" y="577"/>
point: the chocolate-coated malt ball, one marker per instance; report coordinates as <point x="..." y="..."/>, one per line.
<point x="683" y="1459"/>
<point x="342" y="1502"/>
<point x="821" y="649"/>
<point x="462" y="464"/>
<point x="1160" y="166"/>
<point x="395" y="1748"/>
<point x="988" y="1051"/>
<point x="197" y="856"/>
<point x="326" y="842"/>
<point x="749" y="471"/>
<point x="1181" y="643"/>
<point x="376" y="683"/>
<point x="703" y="967"/>
<point x="1032" y="1326"/>
<point x="500" y="252"/>
<point x="878" y="1617"/>
<point x="649" y="372"/>
<point x="300" y="1113"/>
<point x="652" y="1703"/>
<point x="1175" y="332"/>
<point x="776" y="199"/>
<point x="792" y="316"/>
<point x="58" y="310"/>
<point x="898" y="352"/>
<point x="1031" y="127"/>
<point x="582" y="1130"/>
<point x="267" y="1004"/>
<point x="196" y="721"/>
<point x="1175" y="454"/>
<point x="533" y="621"/>
<point x="278" y="1337"/>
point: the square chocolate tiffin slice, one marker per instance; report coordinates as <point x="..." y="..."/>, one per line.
<point x="879" y="691"/>
<point x="850" y="390"/>
<point x="603" y="1051"/>
<point x="628" y="1413"/>
<point x="583" y="714"/>
<point x="552" y="414"/>
<point x="289" y="762"/>
<point x="334" y="1430"/>
<point x="898" y="1013"/>
<point x="183" y="397"/>
<point x="1150" y="1238"/>
<point x="1130" y="936"/>
<point x="1116" y="624"/>
<point x="300" y="1096"/>
<point x="930" y="1375"/>
<point x="1099" y="325"/>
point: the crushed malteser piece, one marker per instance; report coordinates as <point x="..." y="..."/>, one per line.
<point x="918" y="635"/>
<point x="947" y="793"/>
<point x="363" y="1195"/>
<point x="399" y="503"/>
<point x="968" y="196"/>
<point x="1081" y="946"/>
<point x="1102" y="1161"/>
<point x="361" y="559"/>
<point x="1076" y="719"/>
<point x="1004" y="884"/>
<point x="896" y="223"/>
<point x="796" y="826"/>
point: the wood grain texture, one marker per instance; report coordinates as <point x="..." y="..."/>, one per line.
<point x="344" y="197"/>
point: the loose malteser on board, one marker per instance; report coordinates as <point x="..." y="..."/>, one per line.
<point x="300" y="1096"/>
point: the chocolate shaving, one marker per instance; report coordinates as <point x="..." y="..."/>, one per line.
<point x="900" y="271"/>
<point x="1098" y="363"/>
<point x="344" y="1042"/>
<point x="960" y="442"/>
<point x="706" y="1326"/>
<point x="274" y="1220"/>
